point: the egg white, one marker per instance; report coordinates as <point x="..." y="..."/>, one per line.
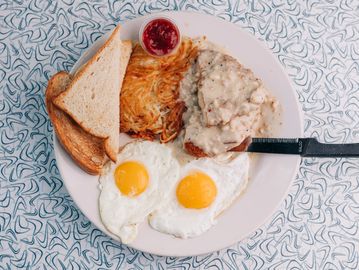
<point x="230" y="178"/>
<point x="121" y="214"/>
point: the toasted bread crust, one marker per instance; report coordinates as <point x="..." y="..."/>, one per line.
<point x="110" y="152"/>
<point x="85" y="149"/>
<point x="110" y="149"/>
<point x="58" y="101"/>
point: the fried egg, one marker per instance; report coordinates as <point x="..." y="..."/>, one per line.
<point x="136" y="185"/>
<point x="205" y="188"/>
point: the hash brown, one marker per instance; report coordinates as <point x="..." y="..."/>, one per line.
<point x="149" y="100"/>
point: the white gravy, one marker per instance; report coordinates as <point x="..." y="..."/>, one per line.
<point x="225" y="103"/>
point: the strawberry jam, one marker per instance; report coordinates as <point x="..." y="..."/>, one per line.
<point x="160" y="37"/>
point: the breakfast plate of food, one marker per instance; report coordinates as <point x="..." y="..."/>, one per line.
<point x="152" y="125"/>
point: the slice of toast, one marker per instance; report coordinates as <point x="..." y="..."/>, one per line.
<point x="93" y="97"/>
<point x="85" y="149"/>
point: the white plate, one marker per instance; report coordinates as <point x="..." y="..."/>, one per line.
<point x="271" y="178"/>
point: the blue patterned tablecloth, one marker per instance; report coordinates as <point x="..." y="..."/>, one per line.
<point x="316" y="227"/>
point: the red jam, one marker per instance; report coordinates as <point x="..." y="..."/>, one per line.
<point x="160" y="37"/>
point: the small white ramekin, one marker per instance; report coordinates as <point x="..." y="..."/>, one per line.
<point x="146" y="22"/>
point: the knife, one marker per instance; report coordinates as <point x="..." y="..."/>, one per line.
<point x="306" y="147"/>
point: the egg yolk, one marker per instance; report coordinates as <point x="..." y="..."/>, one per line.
<point x="131" y="178"/>
<point x="197" y="190"/>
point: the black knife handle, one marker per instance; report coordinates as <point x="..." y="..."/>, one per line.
<point x="312" y="148"/>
